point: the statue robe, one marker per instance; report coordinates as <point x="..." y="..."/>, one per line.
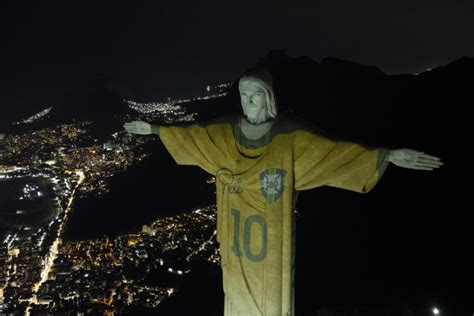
<point x="257" y="182"/>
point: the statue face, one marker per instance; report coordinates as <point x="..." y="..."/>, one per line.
<point x="254" y="102"/>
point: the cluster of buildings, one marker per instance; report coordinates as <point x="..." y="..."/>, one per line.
<point x="167" y="112"/>
<point x="59" y="152"/>
<point x="173" y="110"/>
<point x="114" y="274"/>
<point x="36" y="117"/>
<point x="106" y="274"/>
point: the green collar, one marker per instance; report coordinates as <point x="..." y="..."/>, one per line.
<point x="253" y="143"/>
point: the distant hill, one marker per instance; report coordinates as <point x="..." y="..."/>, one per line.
<point x="105" y="108"/>
<point x="87" y="102"/>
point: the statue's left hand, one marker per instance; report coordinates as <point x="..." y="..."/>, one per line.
<point x="413" y="159"/>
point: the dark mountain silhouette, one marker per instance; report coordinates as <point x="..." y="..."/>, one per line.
<point x="104" y="107"/>
<point x="93" y="102"/>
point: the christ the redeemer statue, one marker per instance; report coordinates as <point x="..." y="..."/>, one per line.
<point x="261" y="160"/>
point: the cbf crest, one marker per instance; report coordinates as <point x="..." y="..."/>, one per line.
<point x="272" y="183"/>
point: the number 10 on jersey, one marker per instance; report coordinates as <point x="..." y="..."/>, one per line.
<point x="247" y="238"/>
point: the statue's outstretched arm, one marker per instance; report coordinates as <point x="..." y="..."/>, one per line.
<point x="188" y="144"/>
<point x="413" y="159"/>
<point x="142" y="128"/>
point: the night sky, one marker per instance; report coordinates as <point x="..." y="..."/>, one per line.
<point x="152" y="50"/>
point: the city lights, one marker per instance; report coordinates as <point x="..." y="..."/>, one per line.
<point x="38" y="265"/>
<point x="36" y="117"/>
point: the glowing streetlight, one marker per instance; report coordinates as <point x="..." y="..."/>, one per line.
<point x="435" y="311"/>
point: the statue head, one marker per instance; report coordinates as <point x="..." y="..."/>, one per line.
<point x="256" y="96"/>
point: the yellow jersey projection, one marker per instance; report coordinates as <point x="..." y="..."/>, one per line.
<point x="256" y="188"/>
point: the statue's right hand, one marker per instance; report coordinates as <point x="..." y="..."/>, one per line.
<point x="138" y="127"/>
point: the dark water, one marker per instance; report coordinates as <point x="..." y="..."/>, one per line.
<point x="36" y="212"/>
<point x="155" y="187"/>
